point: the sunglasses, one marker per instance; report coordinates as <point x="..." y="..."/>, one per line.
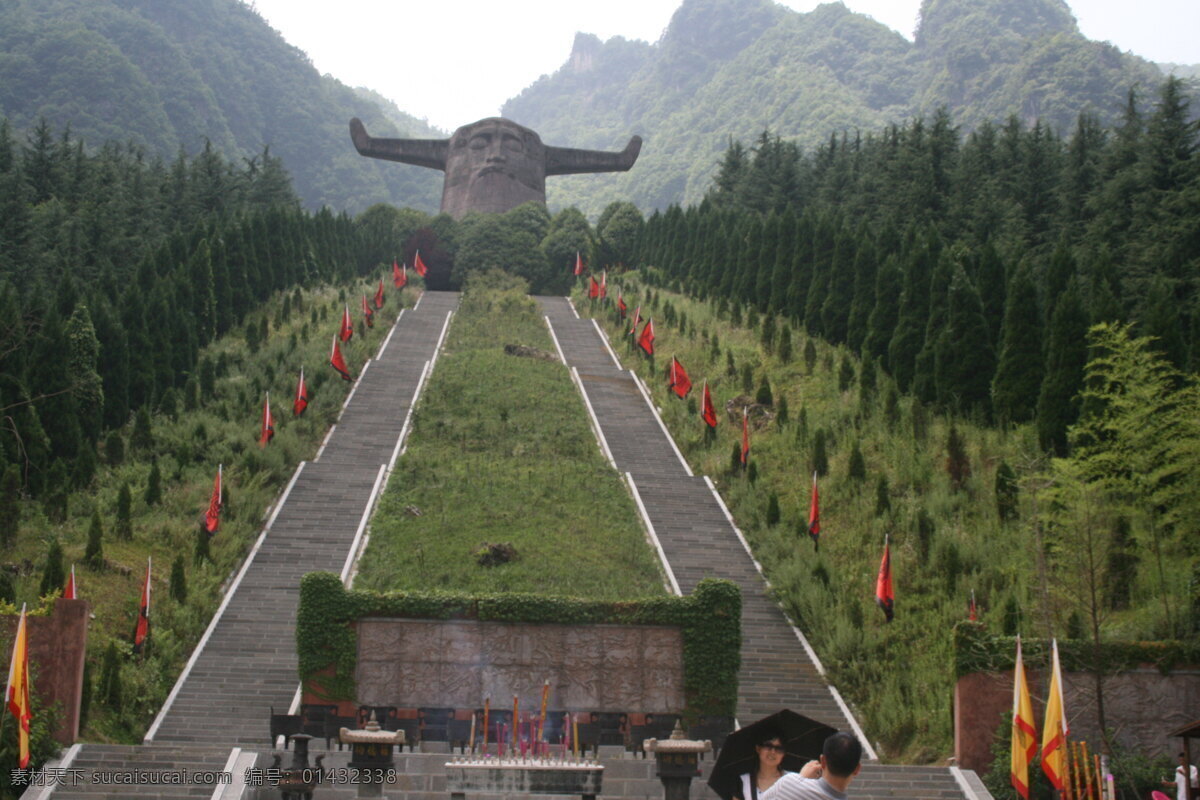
<point x="778" y="748"/>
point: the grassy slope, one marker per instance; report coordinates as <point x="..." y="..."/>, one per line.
<point x="501" y="452"/>
<point x="899" y="676"/>
<point x="188" y="446"/>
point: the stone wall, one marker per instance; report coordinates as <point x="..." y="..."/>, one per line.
<point x="1140" y="705"/>
<point x="57" y="646"/>
<point x="456" y="663"/>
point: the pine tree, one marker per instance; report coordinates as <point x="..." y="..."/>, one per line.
<point x="124" y="527"/>
<point x="856" y="470"/>
<point x="109" y="689"/>
<point x="200" y="552"/>
<point x="863" y="302"/>
<point x="785" y="343"/>
<point x="781" y="410"/>
<point x="912" y="317"/>
<point x="845" y="373"/>
<point x="963" y="359"/>
<point x="93" y="555"/>
<point x="810" y="356"/>
<point x="1006" y="492"/>
<point x="883" y="497"/>
<point x="958" y="465"/>
<point x="1066" y="354"/>
<point x="142" y="438"/>
<point x="924" y="382"/>
<point x="772" y="510"/>
<point x="153" y="495"/>
<point x="10" y="505"/>
<point x="178" y="586"/>
<point x="54" y="575"/>
<point x="1019" y="372"/>
<point x="835" y="308"/>
<point x="763" y="396"/>
<point x="881" y="323"/>
<point x="820" y="461"/>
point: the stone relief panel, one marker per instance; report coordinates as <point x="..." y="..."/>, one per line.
<point x="411" y="663"/>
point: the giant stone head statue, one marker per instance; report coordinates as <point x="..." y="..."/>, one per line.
<point x="494" y="164"/>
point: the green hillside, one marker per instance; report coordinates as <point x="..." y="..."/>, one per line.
<point x="171" y="75"/>
<point x="733" y="68"/>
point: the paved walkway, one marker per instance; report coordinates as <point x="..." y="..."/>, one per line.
<point x="246" y="662"/>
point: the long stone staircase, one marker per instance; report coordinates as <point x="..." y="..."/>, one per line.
<point x="245" y="664"/>
<point x="699" y="539"/>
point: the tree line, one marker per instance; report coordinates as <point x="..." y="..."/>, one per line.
<point x="969" y="267"/>
<point x="116" y="268"/>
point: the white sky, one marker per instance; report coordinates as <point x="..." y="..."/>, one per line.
<point x="453" y="63"/>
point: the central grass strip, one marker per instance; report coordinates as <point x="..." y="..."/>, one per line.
<point x="501" y="452"/>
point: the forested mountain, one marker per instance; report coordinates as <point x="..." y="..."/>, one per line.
<point x="170" y="75"/>
<point x="732" y="68"/>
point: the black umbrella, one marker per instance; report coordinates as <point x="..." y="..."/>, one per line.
<point x="802" y="740"/>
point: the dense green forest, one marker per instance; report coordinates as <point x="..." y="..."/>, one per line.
<point x="175" y="75"/>
<point x="730" y="68"/>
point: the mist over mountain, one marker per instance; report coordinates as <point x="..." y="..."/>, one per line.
<point x="732" y="68"/>
<point x="170" y="74"/>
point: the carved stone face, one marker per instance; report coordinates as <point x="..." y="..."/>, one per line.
<point x="492" y="166"/>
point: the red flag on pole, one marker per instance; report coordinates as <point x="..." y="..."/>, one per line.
<point x="212" y="516"/>
<point x="379" y="296"/>
<point x="578" y="264"/>
<point x="707" y="412"/>
<point x="339" y="363"/>
<point x="301" y="401"/>
<point x="347" y="331"/>
<point x="637" y="318"/>
<point x="399" y="275"/>
<point x="678" y="380"/>
<point x="17" y="693"/>
<point x="814" y="516"/>
<point x="368" y="314"/>
<point x="621" y="304"/>
<point x="419" y="265"/>
<point x="646" y="340"/>
<point x="883" y="584"/>
<point x="69" y="590"/>
<point x="604" y="285"/>
<point x="745" y="435"/>
<point x="268" y="423"/>
<point x="593" y="287"/>
<point x="142" y="629"/>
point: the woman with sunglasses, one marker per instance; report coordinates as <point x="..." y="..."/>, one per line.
<point x="768" y="770"/>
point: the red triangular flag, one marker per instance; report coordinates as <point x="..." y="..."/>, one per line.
<point x="646" y="340"/>
<point x="707" y="412"/>
<point x="212" y="516"/>
<point x="379" y="296"/>
<point x="399" y="276"/>
<point x="814" y="516"/>
<point x="142" y="629"/>
<point x="621" y="304"/>
<point x="339" y="363"/>
<point x="637" y="318"/>
<point x="604" y="285"/>
<point x="883" y="584"/>
<point x="593" y="287"/>
<point x="745" y="435"/>
<point x="578" y="264"/>
<point x="678" y="380"/>
<point x="268" y="423"/>
<point x="69" y="591"/>
<point x="347" y="331"/>
<point x="301" y="401"/>
<point x="368" y="314"/>
<point x="972" y="613"/>
<point x="419" y="265"/>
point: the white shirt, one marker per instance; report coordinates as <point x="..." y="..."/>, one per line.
<point x="1181" y="784"/>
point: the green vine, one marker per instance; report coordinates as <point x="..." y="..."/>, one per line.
<point x="709" y="618"/>
<point x="976" y="650"/>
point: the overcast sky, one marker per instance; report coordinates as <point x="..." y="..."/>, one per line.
<point x="456" y="62"/>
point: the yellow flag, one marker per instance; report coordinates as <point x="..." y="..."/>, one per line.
<point x="1054" y="728"/>
<point x="1024" y="734"/>
<point x="18" y="690"/>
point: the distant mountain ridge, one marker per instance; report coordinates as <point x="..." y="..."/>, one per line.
<point x="168" y="74"/>
<point x="732" y="68"/>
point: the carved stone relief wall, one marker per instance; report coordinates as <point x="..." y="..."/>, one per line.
<point x="456" y="663"/>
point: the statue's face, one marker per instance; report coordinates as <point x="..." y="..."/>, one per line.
<point x="494" y="165"/>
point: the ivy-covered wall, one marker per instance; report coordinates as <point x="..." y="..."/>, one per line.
<point x="709" y="619"/>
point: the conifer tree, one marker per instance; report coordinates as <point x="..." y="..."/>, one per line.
<point x="883" y="497"/>
<point x="54" y="575"/>
<point x="820" y="461"/>
<point x="124" y="527"/>
<point x="810" y="356"/>
<point x="856" y="469"/>
<point x="772" y="510"/>
<point x="153" y="495"/>
<point x="763" y="396"/>
<point x="881" y="323"/>
<point x="93" y="554"/>
<point x="845" y="373"/>
<point x="958" y="464"/>
<point x="963" y="359"/>
<point x="913" y="314"/>
<point x="109" y="689"/>
<point x="924" y="383"/>
<point x="1066" y="353"/>
<point x="178" y="586"/>
<point x="781" y="410"/>
<point x="1019" y="372"/>
<point x="142" y="438"/>
<point x="785" y="343"/>
<point x="1006" y="492"/>
<point x="836" y="306"/>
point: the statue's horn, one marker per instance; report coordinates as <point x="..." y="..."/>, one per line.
<point x="568" y="161"/>
<point x="421" y="152"/>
